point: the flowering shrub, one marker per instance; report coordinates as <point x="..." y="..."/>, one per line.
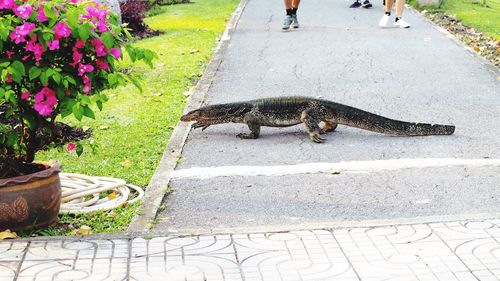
<point x="56" y="57"/>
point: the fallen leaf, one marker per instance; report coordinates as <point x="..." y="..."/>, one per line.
<point x="194" y="51"/>
<point x="83" y="230"/>
<point x="126" y="163"/>
<point x="335" y="172"/>
<point x="7" y="234"/>
<point x="103" y="127"/>
<point x="112" y="195"/>
<point x="477" y="49"/>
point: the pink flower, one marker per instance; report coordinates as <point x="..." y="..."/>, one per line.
<point x="41" y="17"/>
<point x="25" y="95"/>
<point x="102" y="65"/>
<point x="24" y="11"/>
<point x="116" y="53"/>
<point x="9" y="54"/>
<point x="9" y="78"/>
<point x="100" y="49"/>
<point x="71" y="147"/>
<point x="61" y="30"/>
<point x="87" y="85"/>
<point x="102" y="26"/>
<point x="77" y="57"/>
<point x="45" y="101"/>
<point x="85" y="68"/>
<point x="7" y="4"/>
<point x="19" y="34"/>
<point x="35" y="47"/>
<point x="53" y="45"/>
<point x="79" y="44"/>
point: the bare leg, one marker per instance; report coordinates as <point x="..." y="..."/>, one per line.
<point x="388" y="5"/>
<point x="400" y="4"/>
<point x="288" y="4"/>
<point x="295" y="4"/>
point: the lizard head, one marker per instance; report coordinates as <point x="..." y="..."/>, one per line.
<point x="216" y="114"/>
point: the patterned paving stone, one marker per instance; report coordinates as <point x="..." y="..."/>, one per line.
<point x="460" y="251"/>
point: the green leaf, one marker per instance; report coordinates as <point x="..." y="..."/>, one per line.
<point x="78" y="111"/>
<point x="136" y="83"/>
<point x="44" y="78"/>
<point x="67" y="107"/>
<point x="17" y="71"/>
<point x="34" y="72"/>
<point x="99" y="104"/>
<point x="84" y="31"/>
<point x="57" y="77"/>
<point x="79" y="149"/>
<point x="108" y="39"/>
<point x="87" y="111"/>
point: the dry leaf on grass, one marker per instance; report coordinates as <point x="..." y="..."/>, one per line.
<point x="7" y="234"/>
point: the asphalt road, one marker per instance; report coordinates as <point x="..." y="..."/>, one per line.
<point x="340" y="54"/>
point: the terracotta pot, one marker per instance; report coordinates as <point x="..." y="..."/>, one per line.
<point x="30" y="201"/>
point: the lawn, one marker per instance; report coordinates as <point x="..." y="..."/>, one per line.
<point x="483" y="15"/>
<point x="133" y="129"/>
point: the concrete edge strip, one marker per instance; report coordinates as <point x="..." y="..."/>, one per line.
<point x="325" y="167"/>
<point x="336" y="225"/>
<point x="274" y="229"/>
<point x="492" y="68"/>
<point x="161" y="178"/>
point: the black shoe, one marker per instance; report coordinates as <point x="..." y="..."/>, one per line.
<point x="356" y="4"/>
<point x="367" y="4"/>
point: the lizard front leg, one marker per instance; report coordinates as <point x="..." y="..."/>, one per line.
<point x="311" y="120"/>
<point x="253" y="124"/>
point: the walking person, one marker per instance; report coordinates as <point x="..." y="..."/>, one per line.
<point x="291" y="7"/>
<point x="399" y="21"/>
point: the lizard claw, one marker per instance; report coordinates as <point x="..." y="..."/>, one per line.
<point x="199" y="125"/>
<point x="246" y="136"/>
<point x="317" y="139"/>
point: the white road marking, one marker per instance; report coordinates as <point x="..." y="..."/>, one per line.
<point x="351" y="167"/>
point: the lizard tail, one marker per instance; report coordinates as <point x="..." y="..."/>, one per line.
<point x="379" y="124"/>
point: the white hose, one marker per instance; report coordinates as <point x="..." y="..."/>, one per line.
<point x="85" y="194"/>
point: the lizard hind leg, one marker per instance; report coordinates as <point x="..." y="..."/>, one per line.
<point x="328" y="127"/>
<point x="311" y="123"/>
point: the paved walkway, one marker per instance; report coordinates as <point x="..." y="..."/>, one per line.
<point x="418" y="75"/>
<point x="461" y="250"/>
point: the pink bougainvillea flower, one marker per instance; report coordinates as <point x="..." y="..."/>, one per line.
<point x="61" y="30"/>
<point x="102" y="26"/>
<point x="25" y="95"/>
<point x="87" y="85"/>
<point x="116" y="53"/>
<point x="102" y="65"/>
<point x="9" y="78"/>
<point x="7" y="4"/>
<point x="40" y="16"/>
<point x="9" y="54"/>
<point x="77" y="57"/>
<point x="79" y="44"/>
<point x="45" y="100"/>
<point x="71" y="147"/>
<point x="53" y="45"/>
<point x="85" y="68"/>
<point x="24" y="11"/>
<point x="100" y="49"/>
<point x="19" y="34"/>
<point x="35" y="47"/>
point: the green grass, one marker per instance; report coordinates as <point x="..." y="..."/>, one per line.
<point x="133" y="129"/>
<point x="475" y="13"/>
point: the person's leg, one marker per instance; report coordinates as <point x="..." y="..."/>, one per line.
<point x="384" y="22"/>
<point x="295" y="6"/>
<point x="289" y="11"/>
<point x="400" y="4"/>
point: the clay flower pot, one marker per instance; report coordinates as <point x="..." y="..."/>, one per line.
<point x="30" y="201"/>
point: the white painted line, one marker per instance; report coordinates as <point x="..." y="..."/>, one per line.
<point x="351" y="166"/>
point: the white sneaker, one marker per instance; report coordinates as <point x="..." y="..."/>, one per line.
<point x="384" y="22"/>
<point x="401" y="24"/>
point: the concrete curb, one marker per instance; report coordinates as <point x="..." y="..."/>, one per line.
<point x="161" y="178"/>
